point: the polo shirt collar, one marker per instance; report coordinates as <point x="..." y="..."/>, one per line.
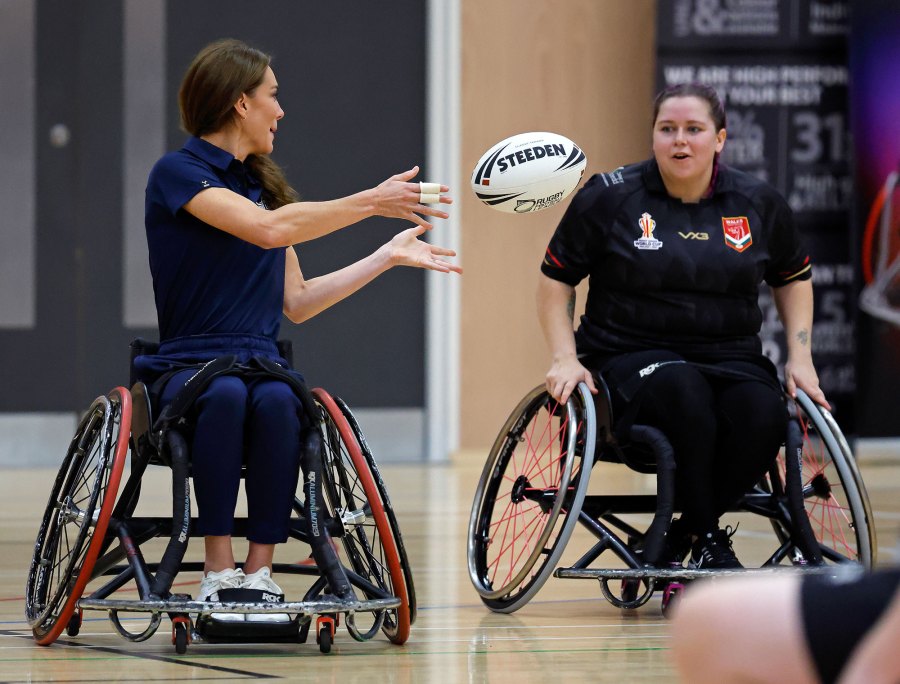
<point x="212" y="155"/>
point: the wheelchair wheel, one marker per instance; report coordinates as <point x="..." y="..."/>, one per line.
<point x="385" y="503"/>
<point x="368" y="540"/>
<point x="77" y="515"/>
<point x="529" y="496"/>
<point x="834" y="495"/>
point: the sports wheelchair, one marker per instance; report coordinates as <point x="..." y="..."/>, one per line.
<point x="533" y="492"/>
<point x="89" y="528"/>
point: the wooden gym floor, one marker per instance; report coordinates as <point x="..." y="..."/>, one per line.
<point x="567" y="633"/>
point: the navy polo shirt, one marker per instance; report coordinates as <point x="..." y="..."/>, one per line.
<point x="671" y="275"/>
<point x="207" y="281"/>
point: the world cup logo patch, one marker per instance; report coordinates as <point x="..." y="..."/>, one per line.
<point x="647" y="241"/>
<point x="737" y="232"/>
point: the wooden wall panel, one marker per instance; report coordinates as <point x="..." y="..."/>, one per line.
<point x="582" y="68"/>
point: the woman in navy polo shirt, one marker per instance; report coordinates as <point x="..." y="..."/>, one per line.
<point x="221" y="220"/>
<point x="676" y="248"/>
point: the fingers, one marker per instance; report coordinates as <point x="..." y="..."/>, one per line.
<point x="432" y="193"/>
<point x="442" y="266"/>
<point x="818" y="396"/>
<point x="429" y="193"/>
<point x="560" y="390"/>
<point x="437" y="213"/>
<point x="406" y="175"/>
<point x="399" y="198"/>
<point x="415" y="218"/>
<point x="557" y="393"/>
<point x="790" y="386"/>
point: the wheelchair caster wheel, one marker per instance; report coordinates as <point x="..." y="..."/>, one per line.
<point x="181" y="634"/>
<point x="325" y="633"/>
<point x="671" y="595"/>
<point x="74" y="625"/>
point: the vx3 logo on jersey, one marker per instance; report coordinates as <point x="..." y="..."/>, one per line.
<point x="691" y="235"/>
<point x="647" y="241"/>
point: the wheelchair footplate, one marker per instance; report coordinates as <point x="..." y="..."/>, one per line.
<point x="194" y="621"/>
<point x="673" y="580"/>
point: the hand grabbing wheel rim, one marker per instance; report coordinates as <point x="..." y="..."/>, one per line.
<point x="350" y="486"/>
<point x="77" y="515"/>
<point x="386" y="504"/>
<point x="518" y="521"/>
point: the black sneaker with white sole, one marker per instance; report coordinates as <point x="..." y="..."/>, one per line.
<point x="713" y="551"/>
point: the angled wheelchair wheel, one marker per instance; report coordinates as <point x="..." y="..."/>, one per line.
<point x="834" y="496"/>
<point x="368" y="540"/>
<point x="529" y="496"/>
<point x="75" y="521"/>
<point x="385" y="503"/>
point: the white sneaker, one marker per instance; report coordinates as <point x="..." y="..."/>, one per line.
<point x="212" y="582"/>
<point x="261" y="580"/>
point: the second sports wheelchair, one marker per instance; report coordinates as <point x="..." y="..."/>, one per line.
<point x="89" y="529"/>
<point x="534" y="490"/>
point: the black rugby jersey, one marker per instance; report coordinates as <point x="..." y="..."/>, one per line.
<point x="672" y="275"/>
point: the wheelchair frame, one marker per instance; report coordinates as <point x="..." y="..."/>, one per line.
<point x="519" y="525"/>
<point x="87" y="531"/>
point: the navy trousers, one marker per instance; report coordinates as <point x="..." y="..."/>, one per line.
<point x="239" y="423"/>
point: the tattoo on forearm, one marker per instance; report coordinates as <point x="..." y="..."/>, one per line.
<point x="571" y="307"/>
<point x="803" y="337"/>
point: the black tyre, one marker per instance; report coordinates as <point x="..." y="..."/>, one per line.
<point x="325" y="639"/>
<point x="180" y="637"/>
<point x="74" y="626"/>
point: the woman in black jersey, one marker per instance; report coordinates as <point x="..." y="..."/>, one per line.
<point x="675" y="248"/>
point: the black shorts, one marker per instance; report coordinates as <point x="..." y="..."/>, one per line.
<point x="838" y="612"/>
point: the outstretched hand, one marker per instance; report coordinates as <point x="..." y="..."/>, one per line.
<point x="406" y="249"/>
<point x="397" y="197"/>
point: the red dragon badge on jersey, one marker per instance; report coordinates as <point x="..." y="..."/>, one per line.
<point x="737" y="232"/>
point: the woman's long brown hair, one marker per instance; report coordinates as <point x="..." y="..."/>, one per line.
<point x="220" y="73"/>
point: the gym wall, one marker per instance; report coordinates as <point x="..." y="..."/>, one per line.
<point x="582" y="68"/>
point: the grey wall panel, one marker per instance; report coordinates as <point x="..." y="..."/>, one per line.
<point x="17" y="165"/>
<point x="144" y="80"/>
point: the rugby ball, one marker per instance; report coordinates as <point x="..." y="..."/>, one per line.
<point x="528" y="172"/>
